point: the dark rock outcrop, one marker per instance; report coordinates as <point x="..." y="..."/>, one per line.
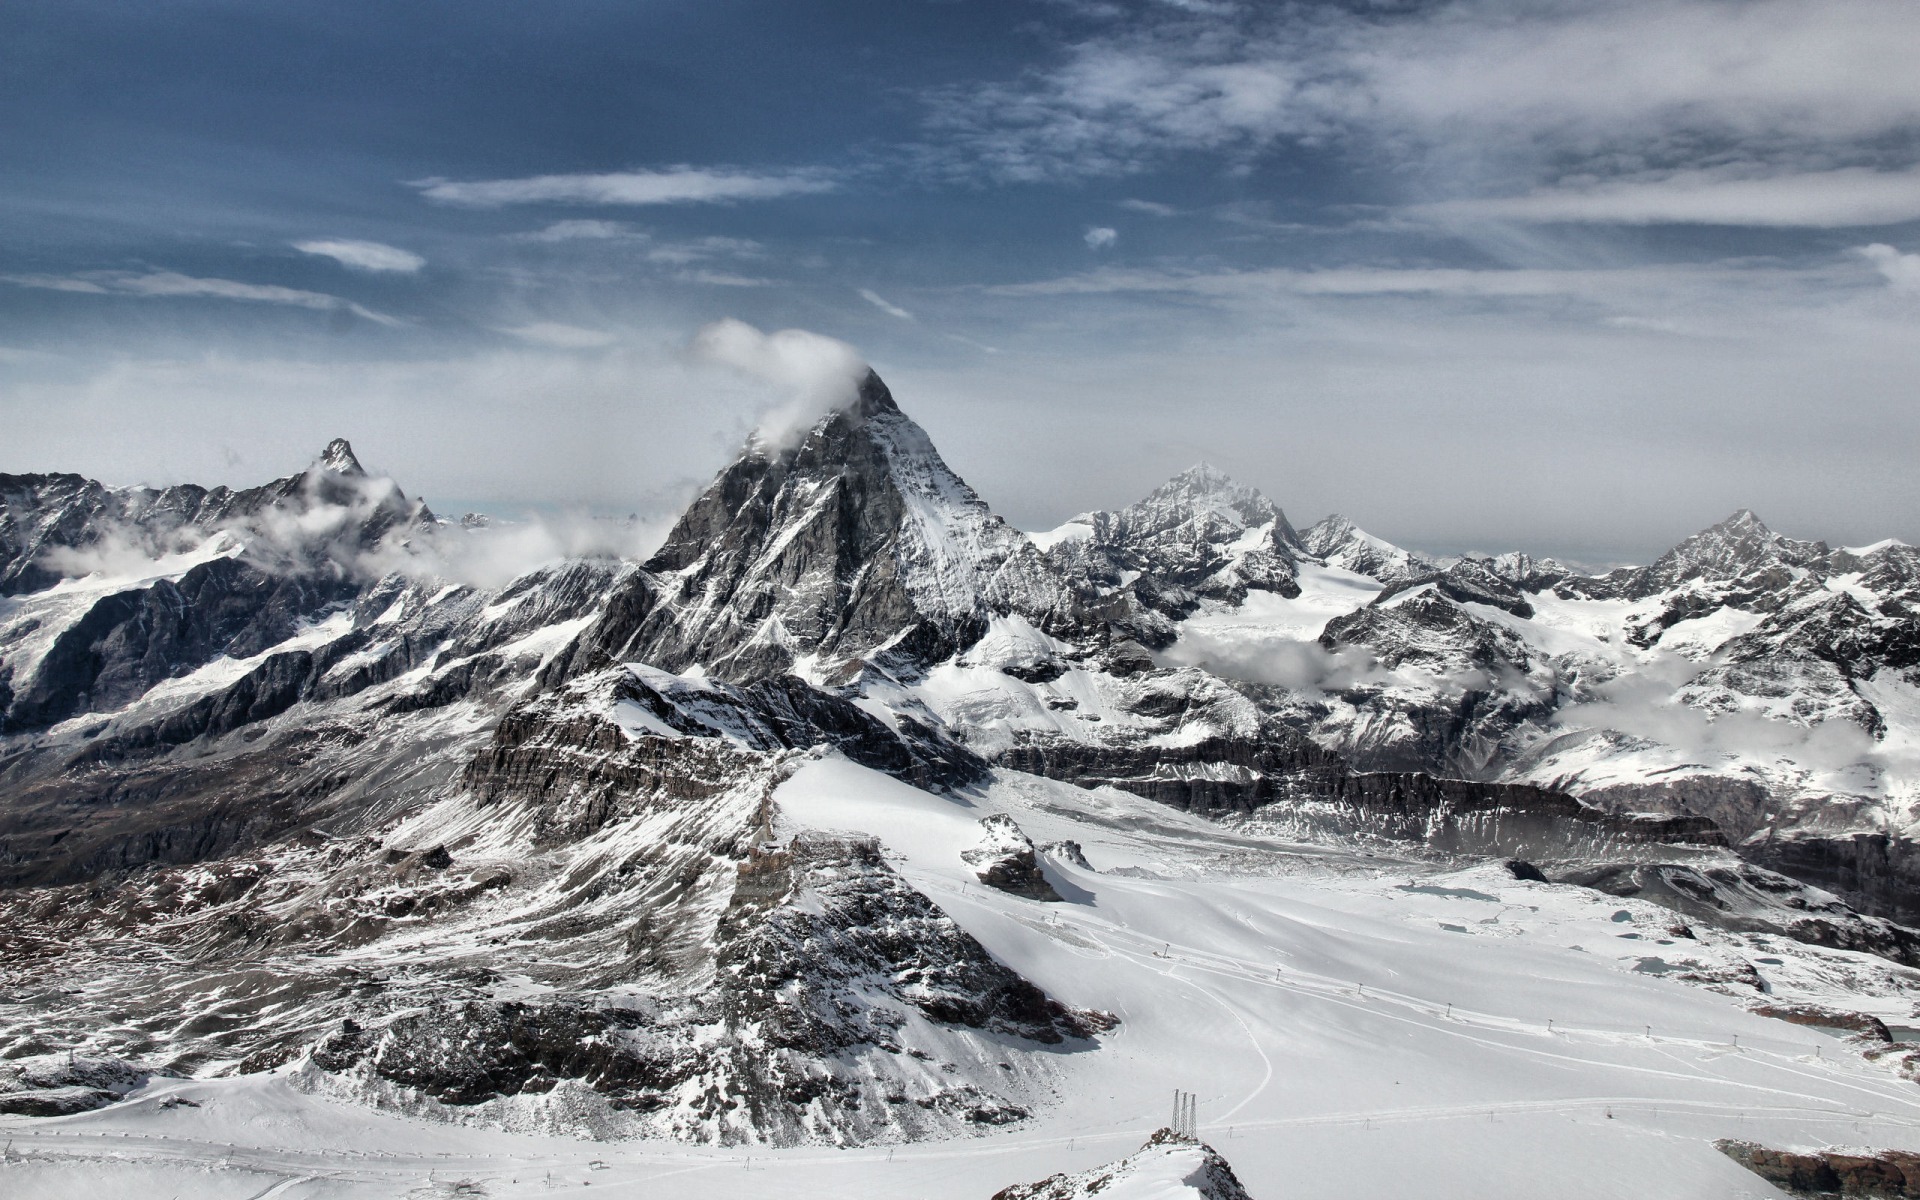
<point x="1750" y="899"/>
<point x="1005" y="859"/>
<point x="1887" y="1174"/>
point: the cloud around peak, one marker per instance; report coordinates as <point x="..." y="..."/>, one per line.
<point x="812" y="374"/>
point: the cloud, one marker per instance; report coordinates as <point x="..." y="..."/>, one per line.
<point x="174" y="284"/>
<point x="1099" y="237"/>
<point x="565" y="337"/>
<point x="702" y="249"/>
<point x="815" y="374"/>
<point x="326" y="536"/>
<point x="1368" y="281"/>
<point x="1821" y="199"/>
<point x="1902" y="271"/>
<point x="585" y="230"/>
<point x="1276" y="660"/>
<point x="674" y="185"/>
<point x="364" y="256"/>
<point x="1152" y="208"/>
<point x="884" y="305"/>
<point x="1648" y="705"/>
<point x="724" y="279"/>
<point x="495" y="554"/>
<point x="1479" y="95"/>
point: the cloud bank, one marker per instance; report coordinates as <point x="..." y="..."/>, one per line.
<point x="1601" y="110"/>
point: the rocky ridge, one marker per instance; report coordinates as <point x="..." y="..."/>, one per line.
<point x="1170" y="1165"/>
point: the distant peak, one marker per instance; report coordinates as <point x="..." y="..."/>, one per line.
<point x="1744" y="519"/>
<point x="1204" y="481"/>
<point x="1204" y="475"/>
<point x="338" y="458"/>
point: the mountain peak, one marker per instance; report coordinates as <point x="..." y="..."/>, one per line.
<point x="857" y="538"/>
<point x="338" y="458"/>
<point x="1338" y="542"/>
<point x="1744" y="519"/>
<point x="874" y="397"/>
<point x="1204" y="477"/>
<point x="1730" y="550"/>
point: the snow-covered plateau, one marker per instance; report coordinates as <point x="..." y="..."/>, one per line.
<point x="853" y="842"/>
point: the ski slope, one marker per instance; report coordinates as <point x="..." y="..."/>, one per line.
<point x="1355" y="1026"/>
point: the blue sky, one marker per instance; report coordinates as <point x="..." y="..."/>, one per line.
<point x="1574" y="277"/>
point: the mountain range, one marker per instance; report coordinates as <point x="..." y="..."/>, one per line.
<point x="280" y="794"/>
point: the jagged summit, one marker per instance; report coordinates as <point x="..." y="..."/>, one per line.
<point x="1734" y="549"/>
<point x="1338" y="542"/>
<point x="855" y="540"/>
<point x="338" y="458"/>
<point x="1199" y="536"/>
<point x="1201" y="477"/>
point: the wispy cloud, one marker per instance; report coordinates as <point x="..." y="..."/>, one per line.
<point x="364" y="256"/>
<point x="585" y="230"/>
<point x="724" y="279"/>
<point x="706" y="248"/>
<point x="1152" y="208"/>
<point x="174" y="284"/>
<point x="1364" y="281"/>
<point x="1100" y="237"/>
<point x="673" y="185"/>
<point x="561" y="336"/>
<point x="1850" y="196"/>
<point x="884" y="305"/>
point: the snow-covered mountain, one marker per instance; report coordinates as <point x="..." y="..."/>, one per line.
<point x="1200" y="536"/>
<point x="724" y="845"/>
<point x="1338" y="542"/>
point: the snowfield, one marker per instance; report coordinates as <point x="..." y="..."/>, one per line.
<point x="1355" y="1026"/>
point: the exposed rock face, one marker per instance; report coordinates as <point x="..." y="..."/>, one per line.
<point x="1169" y="1167"/>
<point x="1451" y="691"/>
<point x="788" y="713"/>
<point x="1199" y="536"/>
<point x="1893" y="1174"/>
<point x="1005" y="859"/>
<point x="1750" y="899"/>
<point x="1864" y="1026"/>
<point x="1469" y="581"/>
<point x="828" y="967"/>
<point x="56" y="1085"/>
<point x="1878" y="872"/>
